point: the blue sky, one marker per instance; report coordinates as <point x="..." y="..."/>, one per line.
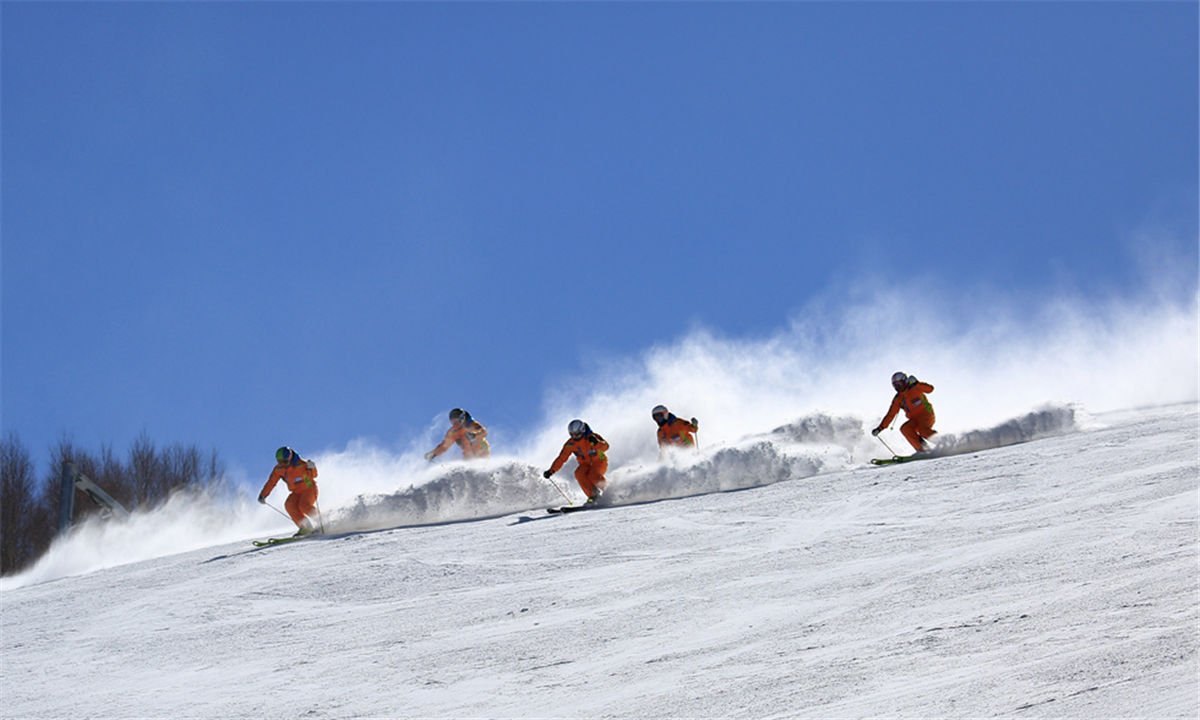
<point x="243" y="225"/>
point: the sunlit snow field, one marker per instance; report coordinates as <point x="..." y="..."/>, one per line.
<point x="781" y="577"/>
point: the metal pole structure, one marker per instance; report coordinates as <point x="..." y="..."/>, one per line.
<point x="66" y="496"/>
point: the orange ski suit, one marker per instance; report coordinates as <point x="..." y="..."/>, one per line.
<point x="677" y="432"/>
<point x="300" y="477"/>
<point x="919" y="412"/>
<point x="589" y="450"/>
<point x="470" y="437"/>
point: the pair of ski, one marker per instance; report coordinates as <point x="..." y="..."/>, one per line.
<point x="569" y="509"/>
<point x="897" y="459"/>
<point x="281" y="541"/>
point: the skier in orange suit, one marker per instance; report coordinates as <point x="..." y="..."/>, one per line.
<point x="467" y="433"/>
<point x="300" y="476"/>
<point x="673" y="431"/>
<point x="910" y="397"/>
<point x="589" y="449"/>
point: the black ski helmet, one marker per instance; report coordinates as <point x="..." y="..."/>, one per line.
<point x="576" y="428"/>
<point x="457" y="414"/>
<point x="899" y="380"/>
<point x="660" y="414"/>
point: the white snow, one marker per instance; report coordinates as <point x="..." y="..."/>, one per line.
<point x="1056" y="577"/>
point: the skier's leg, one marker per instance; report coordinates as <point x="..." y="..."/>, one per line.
<point x="307" y="504"/>
<point x="292" y="505"/>
<point x="911" y="432"/>
<point x="597" y="476"/>
<point x="583" y="477"/>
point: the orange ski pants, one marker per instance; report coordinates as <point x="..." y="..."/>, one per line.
<point x="591" y="477"/>
<point x="300" y="504"/>
<point x="917" y="430"/>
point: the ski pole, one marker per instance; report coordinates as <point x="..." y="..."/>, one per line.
<point x="889" y="447"/>
<point x="320" y="519"/>
<point x="277" y="510"/>
<point x="560" y="492"/>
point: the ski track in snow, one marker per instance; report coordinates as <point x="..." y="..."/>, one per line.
<point x="1054" y="578"/>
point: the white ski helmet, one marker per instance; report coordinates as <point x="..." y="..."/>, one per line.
<point x="576" y="428"/>
<point x="659" y="410"/>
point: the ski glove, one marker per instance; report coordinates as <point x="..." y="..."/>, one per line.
<point x="547" y="474"/>
<point x="695" y="423"/>
<point x="262" y="500"/>
<point x="876" y="432"/>
<point x="430" y="456"/>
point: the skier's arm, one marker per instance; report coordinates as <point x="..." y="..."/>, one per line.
<point x="891" y="413"/>
<point x="443" y="446"/>
<point x="562" y="457"/>
<point x="276" y="476"/>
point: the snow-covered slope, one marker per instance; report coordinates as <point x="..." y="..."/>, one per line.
<point x="1056" y="577"/>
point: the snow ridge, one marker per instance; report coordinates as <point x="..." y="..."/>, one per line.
<point x="461" y="492"/>
<point x="1047" y="422"/>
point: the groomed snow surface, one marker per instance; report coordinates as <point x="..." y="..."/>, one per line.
<point x="1056" y="577"/>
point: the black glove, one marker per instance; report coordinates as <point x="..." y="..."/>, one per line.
<point x="876" y="432"/>
<point x="262" y="500"/>
<point x="695" y="423"/>
<point x="547" y="474"/>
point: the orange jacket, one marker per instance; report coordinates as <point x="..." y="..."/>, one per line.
<point x="587" y="449"/>
<point x="471" y="437"/>
<point x="299" y="475"/>
<point x="676" y="432"/>
<point x="914" y="403"/>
